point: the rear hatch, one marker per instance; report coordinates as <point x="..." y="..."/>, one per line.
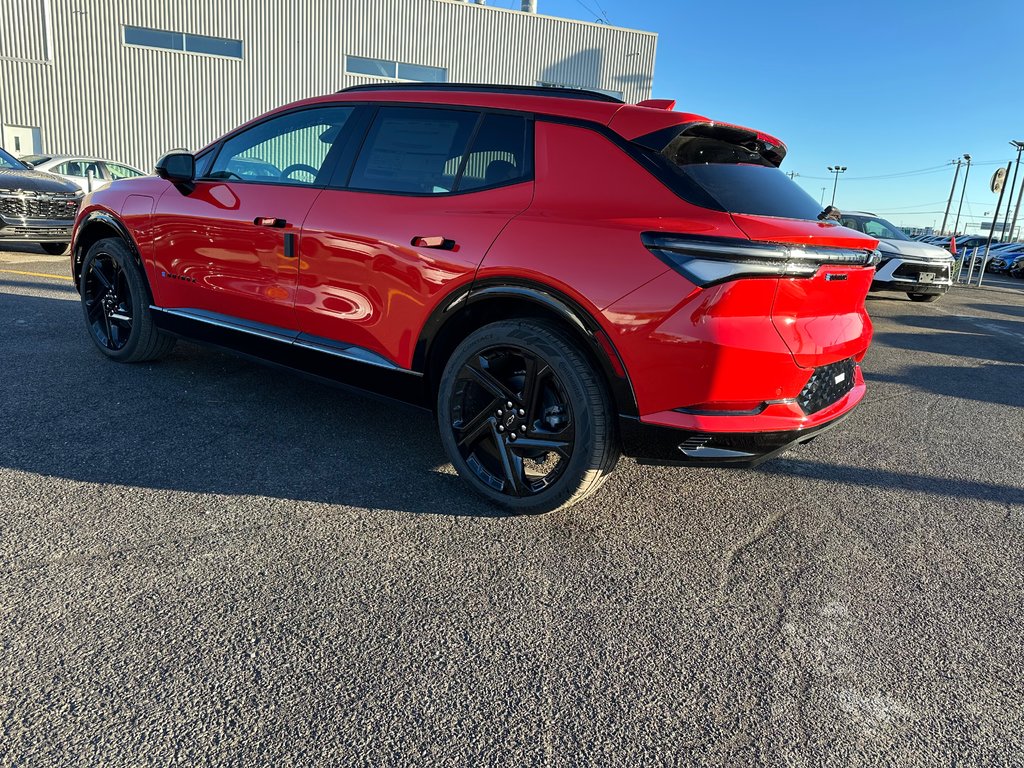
<point x="821" y="318"/>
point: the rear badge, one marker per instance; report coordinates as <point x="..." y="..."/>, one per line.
<point x="835" y="276"/>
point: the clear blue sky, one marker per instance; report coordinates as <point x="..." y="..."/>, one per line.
<point x="880" y="87"/>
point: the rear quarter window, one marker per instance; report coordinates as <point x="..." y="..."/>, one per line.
<point x="412" y="150"/>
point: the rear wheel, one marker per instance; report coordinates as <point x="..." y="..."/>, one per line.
<point x="54" y="249"/>
<point x="923" y="296"/>
<point x="524" y="417"/>
<point x="115" y="301"/>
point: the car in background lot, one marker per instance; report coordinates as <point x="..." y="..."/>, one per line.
<point x="89" y="173"/>
<point x="922" y="271"/>
<point x="1002" y="255"/>
<point x="36" y="207"/>
<point x="1016" y="266"/>
<point x="559" y="276"/>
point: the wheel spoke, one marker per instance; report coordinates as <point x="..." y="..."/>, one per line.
<point x="561" y="447"/>
<point x="479" y="424"/>
<point x="98" y="273"/>
<point x="533" y="386"/>
<point x="487" y="380"/>
<point x="94" y="309"/>
<point x="109" y="330"/>
<point x="511" y="463"/>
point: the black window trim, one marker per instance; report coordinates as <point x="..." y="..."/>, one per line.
<point x="365" y="112"/>
<point x="529" y="174"/>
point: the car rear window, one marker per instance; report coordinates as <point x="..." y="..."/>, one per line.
<point x="729" y="169"/>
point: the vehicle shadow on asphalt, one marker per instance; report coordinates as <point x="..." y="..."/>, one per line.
<point x="208" y="422"/>
<point x="1002" y="309"/>
<point x="959" y="337"/>
<point x="883" y="478"/>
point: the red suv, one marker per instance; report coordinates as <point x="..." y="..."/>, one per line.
<point x="560" y="276"/>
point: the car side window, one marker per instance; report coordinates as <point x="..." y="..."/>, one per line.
<point x="500" y="153"/>
<point x="288" y="149"/>
<point x="121" y="171"/>
<point x="413" y="150"/>
<point x="71" y="168"/>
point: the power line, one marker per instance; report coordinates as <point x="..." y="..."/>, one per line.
<point x="900" y="174"/>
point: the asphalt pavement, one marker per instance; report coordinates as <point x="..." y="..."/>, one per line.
<point x="210" y="562"/>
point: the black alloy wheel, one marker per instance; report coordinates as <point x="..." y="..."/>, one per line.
<point x="524" y="417"/>
<point x="108" y="302"/>
<point x="115" y="300"/>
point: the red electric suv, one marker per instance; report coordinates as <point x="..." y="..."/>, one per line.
<point x="560" y="276"/>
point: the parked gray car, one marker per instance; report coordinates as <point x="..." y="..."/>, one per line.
<point x="922" y="271"/>
<point x="89" y="173"/>
<point x="36" y="207"/>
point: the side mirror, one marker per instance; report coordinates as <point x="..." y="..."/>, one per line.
<point x="177" y="167"/>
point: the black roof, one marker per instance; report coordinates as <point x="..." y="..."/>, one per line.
<point x="519" y="90"/>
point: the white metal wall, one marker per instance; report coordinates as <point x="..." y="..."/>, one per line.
<point x="65" y="69"/>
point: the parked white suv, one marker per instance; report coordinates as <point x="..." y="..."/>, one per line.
<point x="922" y="271"/>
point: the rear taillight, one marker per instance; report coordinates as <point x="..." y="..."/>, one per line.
<point x="707" y="262"/>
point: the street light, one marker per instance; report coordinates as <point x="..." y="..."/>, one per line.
<point x="836" y="169"/>
<point x="1007" y="238"/>
<point x="962" y="190"/>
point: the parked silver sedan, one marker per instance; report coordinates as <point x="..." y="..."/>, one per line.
<point x="88" y="173"/>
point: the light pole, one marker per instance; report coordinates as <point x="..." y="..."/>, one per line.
<point x="962" y="191"/>
<point x="1019" y="145"/>
<point x="951" y="191"/>
<point x="836" y="169"/>
<point x="823" y="196"/>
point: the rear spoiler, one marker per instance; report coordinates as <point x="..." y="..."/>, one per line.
<point x="770" y="148"/>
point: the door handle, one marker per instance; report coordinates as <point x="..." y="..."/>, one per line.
<point x="434" y="241"/>
<point x="269" y="221"/>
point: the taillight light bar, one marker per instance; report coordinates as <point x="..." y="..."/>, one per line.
<point x="707" y="262"/>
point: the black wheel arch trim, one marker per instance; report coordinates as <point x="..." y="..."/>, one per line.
<point x="108" y="219"/>
<point x="600" y="346"/>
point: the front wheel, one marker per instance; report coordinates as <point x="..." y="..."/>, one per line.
<point x="923" y="296"/>
<point x="115" y="301"/>
<point x="54" y="249"/>
<point x="525" y="418"/>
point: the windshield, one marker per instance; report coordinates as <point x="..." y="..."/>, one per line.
<point x="874" y="226"/>
<point x="7" y="161"/>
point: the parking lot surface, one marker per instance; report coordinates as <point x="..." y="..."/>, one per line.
<point x="207" y="561"/>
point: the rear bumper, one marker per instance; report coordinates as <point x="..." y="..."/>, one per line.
<point x="739" y="441"/>
<point x="654" y="444"/>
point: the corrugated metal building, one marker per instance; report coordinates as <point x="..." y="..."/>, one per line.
<point x="129" y="79"/>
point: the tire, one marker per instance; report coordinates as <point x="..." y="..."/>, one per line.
<point x="115" y="301"/>
<point x="554" y="446"/>
<point x="924" y="296"/>
<point x="55" y="249"/>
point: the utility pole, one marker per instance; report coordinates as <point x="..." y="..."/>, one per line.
<point x="1006" y="219"/>
<point x="962" y="191"/>
<point x="836" y="169"/>
<point x="1019" y="145"/>
<point x="823" y="196"/>
<point x="791" y="174"/>
<point x="950" y="201"/>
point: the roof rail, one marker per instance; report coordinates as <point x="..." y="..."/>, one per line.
<point x="520" y="90"/>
